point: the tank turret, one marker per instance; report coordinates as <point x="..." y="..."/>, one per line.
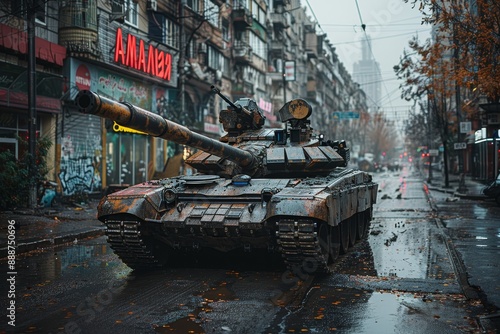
<point x="247" y="148"/>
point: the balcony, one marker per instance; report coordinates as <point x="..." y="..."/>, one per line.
<point x="242" y="53"/>
<point x="78" y="30"/>
<point x="243" y="89"/>
<point x="280" y="20"/>
<point x="80" y="42"/>
<point x="242" y="18"/>
<point x="275" y="76"/>
<point x="313" y="44"/>
<point x="276" y="46"/>
<point x="281" y="2"/>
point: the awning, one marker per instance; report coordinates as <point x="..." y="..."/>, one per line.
<point x="14" y="89"/>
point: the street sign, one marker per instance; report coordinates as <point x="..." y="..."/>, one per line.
<point x="290" y="70"/>
<point x="465" y="127"/>
<point x="433" y="152"/>
<point x="460" y="146"/>
<point x="346" y="114"/>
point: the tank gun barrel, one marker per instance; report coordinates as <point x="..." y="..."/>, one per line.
<point x="125" y="114"/>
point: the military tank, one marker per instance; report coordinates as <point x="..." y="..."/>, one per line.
<point x="259" y="189"/>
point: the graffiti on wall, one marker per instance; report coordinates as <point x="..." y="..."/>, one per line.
<point x="122" y="89"/>
<point x="80" y="166"/>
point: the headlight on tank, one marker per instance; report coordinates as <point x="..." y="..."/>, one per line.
<point x="169" y="195"/>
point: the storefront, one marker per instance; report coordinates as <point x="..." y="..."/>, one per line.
<point x="96" y="153"/>
<point x="14" y="87"/>
<point x="486" y="154"/>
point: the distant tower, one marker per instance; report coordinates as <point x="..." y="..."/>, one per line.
<point x="366" y="72"/>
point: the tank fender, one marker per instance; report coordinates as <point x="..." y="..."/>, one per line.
<point x="367" y="196"/>
<point x="363" y="199"/>
<point x="332" y="206"/>
<point x="334" y="209"/>
<point x="298" y="206"/>
<point x="142" y="200"/>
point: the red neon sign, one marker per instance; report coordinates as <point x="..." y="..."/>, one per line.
<point x="155" y="62"/>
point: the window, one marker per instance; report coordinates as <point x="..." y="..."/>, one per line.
<point x="259" y="48"/>
<point x="262" y="17"/>
<point x="225" y="30"/>
<point x="255" y="10"/>
<point x="82" y="14"/>
<point x="217" y="61"/>
<point x="40" y="11"/>
<point x="242" y="4"/>
<point x="171" y="34"/>
<point x="194" y="5"/>
<point x="258" y="13"/>
<point x="18" y="8"/>
<point x="131" y="15"/>
<point x="211" y="13"/>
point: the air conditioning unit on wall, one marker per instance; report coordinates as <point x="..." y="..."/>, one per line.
<point x="152" y="5"/>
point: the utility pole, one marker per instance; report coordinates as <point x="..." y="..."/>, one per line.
<point x="430" y="138"/>
<point x="182" y="58"/>
<point x="458" y="103"/>
<point x="283" y="70"/>
<point x="30" y="16"/>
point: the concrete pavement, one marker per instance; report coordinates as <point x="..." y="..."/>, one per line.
<point x="466" y="187"/>
<point x="45" y="227"/>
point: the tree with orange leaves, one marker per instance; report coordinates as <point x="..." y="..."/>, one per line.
<point x="470" y="31"/>
<point x="462" y="58"/>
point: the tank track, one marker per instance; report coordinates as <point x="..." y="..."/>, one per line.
<point x="125" y="239"/>
<point x="301" y="247"/>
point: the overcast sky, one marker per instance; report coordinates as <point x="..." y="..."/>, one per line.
<point x="389" y="23"/>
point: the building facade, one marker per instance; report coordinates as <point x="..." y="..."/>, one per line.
<point x="163" y="56"/>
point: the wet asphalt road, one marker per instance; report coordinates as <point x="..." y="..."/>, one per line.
<point x="401" y="279"/>
<point x="474" y="227"/>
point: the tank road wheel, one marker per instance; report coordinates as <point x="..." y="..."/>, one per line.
<point x="334" y="242"/>
<point x="362" y="225"/>
<point x="353" y="230"/>
<point x="324" y="241"/>
<point x="344" y="236"/>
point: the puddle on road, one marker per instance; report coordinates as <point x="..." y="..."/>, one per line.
<point x="354" y="311"/>
<point x="52" y="263"/>
<point x="192" y="322"/>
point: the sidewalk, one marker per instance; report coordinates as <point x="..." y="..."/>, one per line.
<point x="41" y="228"/>
<point x="469" y="188"/>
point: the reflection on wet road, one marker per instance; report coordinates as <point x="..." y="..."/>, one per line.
<point x="474" y="227"/>
<point x="399" y="280"/>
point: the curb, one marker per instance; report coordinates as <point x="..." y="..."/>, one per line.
<point x="456" y="193"/>
<point x="456" y="261"/>
<point x="490" y="323"/>
<point x="467" y="196"/>
<point x="29" y="246"/>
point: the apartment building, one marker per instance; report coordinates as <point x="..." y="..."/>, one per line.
<point x="163" y="56"/>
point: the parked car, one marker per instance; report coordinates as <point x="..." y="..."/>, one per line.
<point x="493" y="189"/>
<point x="394" y="166"/>
<point x="369" y="166"/>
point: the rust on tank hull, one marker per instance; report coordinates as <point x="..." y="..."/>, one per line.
<point x="279" y="190"/>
